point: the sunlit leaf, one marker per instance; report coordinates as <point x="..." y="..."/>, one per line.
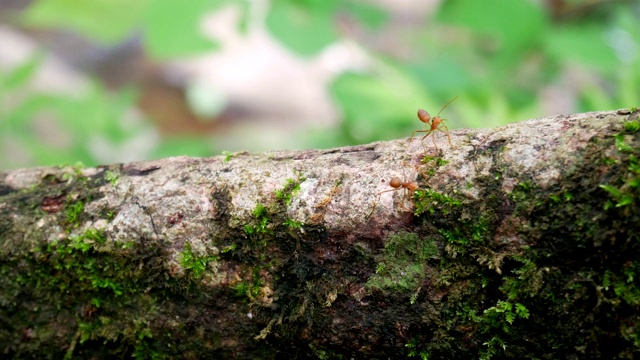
<point x="305" y="27"/>
<point x="514" y="24"/>
<point x="108" y="21"/>
<point x="586" y="45"/>
<point x="21" y="74"/>
<point x="172" y="28"/>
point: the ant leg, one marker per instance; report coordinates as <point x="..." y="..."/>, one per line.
<point x="423" y="147"/>
<point x="405" y="197"/>
<point x="373" y="208"/>
<point x="384" y="191"/>
<point x="446" y="132"/>
<point x="375" y="204"/>
<point x="429" y="132"/>
<point x="433" y="139"/>
<point x="414" y="134"/>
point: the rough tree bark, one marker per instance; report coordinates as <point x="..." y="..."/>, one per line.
<point x="521" y="242"/>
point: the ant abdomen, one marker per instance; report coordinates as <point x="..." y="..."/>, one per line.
<point x="395" y="183"/>
<point x="424" y="116"/>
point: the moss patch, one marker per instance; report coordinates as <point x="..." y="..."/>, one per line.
<point x="578" y="269"/>
<point x="84" y="295"/>
<point x="403" y="265"/>
<point x="196" y="265"/>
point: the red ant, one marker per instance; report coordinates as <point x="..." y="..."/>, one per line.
<point x="397" y="184"/>
<point x="434" y="124"/>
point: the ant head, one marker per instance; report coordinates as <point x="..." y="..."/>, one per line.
<point x="424" y="116"/>
<point x="395" y="183"/>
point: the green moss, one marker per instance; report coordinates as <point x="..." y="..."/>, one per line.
<point x="250" y="289"/>
<point x="427" y="200"/>
<point x="89" y="296"/>
<point x="291" y="187"/>
<point x="79" y="269"/>
<point x="196" y="265"/>
<point x="525" y="185"/>
<point x="292" y="224"/>
<point x="520" y="194"/>
<point x="261" y="226"/>
<point x="228" y="155"/>
<point x="621" y="144"/>
<point x="632" y="126"/>
<point x="414" y="350"/>
<point x="431" y="164"/>
<point x="75" y="174"/>
<point x="74" y="211"/>
<point x="496" y="294"/>
<point x="625" y="191"/>
<point x="324" y="354"/>
<point x="623" y="284"/>
<point x="608" y="161"/>
<point x="469" y="232"/>
<point x="228" y="248"/>
<point x="75" y="257"/>
<point x="402" y="265"/>
<point x="111" y="177"/>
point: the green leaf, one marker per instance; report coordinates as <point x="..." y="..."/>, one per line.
<point x="584" y="44"/>
<point x="382" y="105"/>
<point x="189" y="146"/>
<point x="522" y="311"/>
<point x="513" y="24"/>
<point x="21" y="73"/>
<point x="305" y="27"/>
<point x="171" y="28"/>
<point x="625" y="200"/>
<point x="108" y="21"/>
<point x="632" y="126"/>
<point x="370" y="15"/>
<point x="611" y="190"/>
<point x="510" y="317"/>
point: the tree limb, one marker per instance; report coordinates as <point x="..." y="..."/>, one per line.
<point x="521" y="241"/>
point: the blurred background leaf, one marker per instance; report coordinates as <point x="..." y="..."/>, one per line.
<point x="170" y="28"/>
<point x="105" y="81"/>
<point x="288" y="20"/>
<point x="108" y="21"/>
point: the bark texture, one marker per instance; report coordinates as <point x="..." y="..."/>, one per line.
<point x="521" y="242"/>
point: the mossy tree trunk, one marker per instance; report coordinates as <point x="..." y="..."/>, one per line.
<point x="521" y="242"/>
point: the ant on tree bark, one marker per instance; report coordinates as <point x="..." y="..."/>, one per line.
<point x="398" y="184"/>
<point x="435" y="124"/>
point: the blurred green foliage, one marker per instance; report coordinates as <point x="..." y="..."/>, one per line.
<point x="104" y="20"/>
<point x="95" y="127"/>
<point x="80" y="120"/>
<point x="316" y="19"/>
<point x="169" y="26"/>
<point x="498" y="56"/>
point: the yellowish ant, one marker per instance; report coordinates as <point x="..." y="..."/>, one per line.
<point x="435" y="124"/>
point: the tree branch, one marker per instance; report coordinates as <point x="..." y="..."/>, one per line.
<point x="520" y="241"/>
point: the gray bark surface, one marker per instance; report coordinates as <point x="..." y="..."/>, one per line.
<point x="521" y="242"/>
